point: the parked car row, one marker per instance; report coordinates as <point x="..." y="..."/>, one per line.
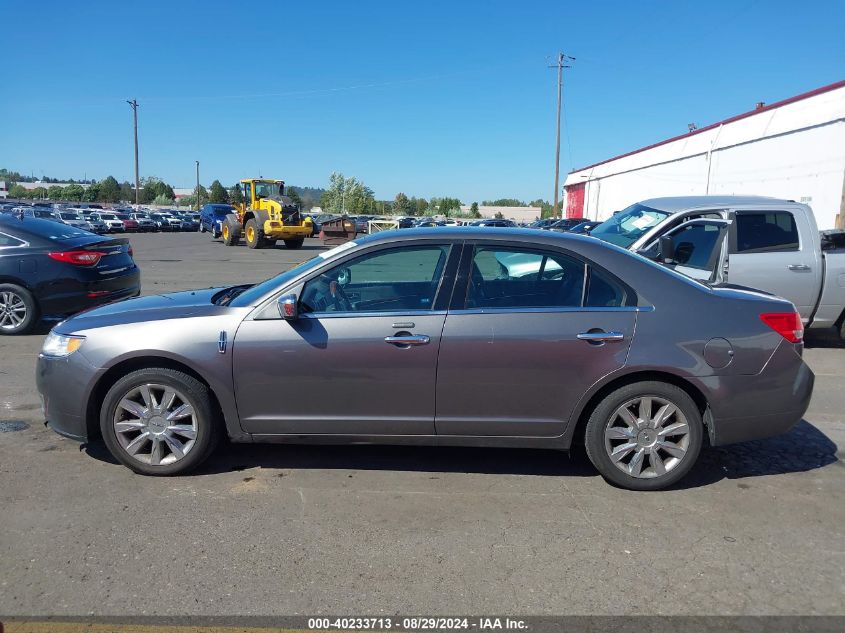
<point x="95" y="219"/>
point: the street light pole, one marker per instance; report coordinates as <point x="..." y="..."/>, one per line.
<point x="560" y="65"/>
<point x="134" y="105"/>
<point x="198" y="185"/>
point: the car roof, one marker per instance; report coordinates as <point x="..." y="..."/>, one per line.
<point x="679" y="203"/>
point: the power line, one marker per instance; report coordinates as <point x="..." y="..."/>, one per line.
<point x="560" y="65"/>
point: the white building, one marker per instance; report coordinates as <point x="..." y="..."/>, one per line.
<point x="4" y="189"/>
<point x="792" y="149"/>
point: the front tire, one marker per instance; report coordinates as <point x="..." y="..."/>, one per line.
<point x="18" y="310"/>
<point x="253" y="234"/>
<point x="294" y="244"/>
<point x="645" y="436"/>
<point x="159" y="421"/>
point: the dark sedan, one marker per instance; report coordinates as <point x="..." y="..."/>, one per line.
<point x="52" y="269"/>
<point x="564" y="225"/>
<point x="448" y="336"/>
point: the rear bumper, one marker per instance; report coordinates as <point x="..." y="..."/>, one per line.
<point x="76" y="295"/>
<point x="764" y="405"/>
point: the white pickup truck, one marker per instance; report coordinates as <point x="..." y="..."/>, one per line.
<point x="764" y="243"/>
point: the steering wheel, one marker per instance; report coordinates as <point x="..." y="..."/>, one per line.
<point x="340" y="297"/>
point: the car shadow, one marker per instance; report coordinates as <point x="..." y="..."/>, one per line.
<point x="803" y="449"/>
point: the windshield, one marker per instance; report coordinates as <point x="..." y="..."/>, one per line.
<point x="626" y="227"/>
<point x="266" y="189"/>
<point x="221" y="212"/>
<point x="69" y="216"/>
<point x="108" y="216"/>
<point x="249" y="297"/>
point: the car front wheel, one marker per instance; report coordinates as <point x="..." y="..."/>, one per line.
<point x="645" y="436"/>
<point x="159" y="421"/>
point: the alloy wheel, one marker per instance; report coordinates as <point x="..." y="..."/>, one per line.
<point x="155" y="424"/>
<point x="12" y="310"/>
<point x="647" y="437"/>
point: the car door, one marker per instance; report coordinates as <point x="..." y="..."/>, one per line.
<point x="767" y="252"/>
<point x="361" y="358"/>
<point x="530" y="329"/>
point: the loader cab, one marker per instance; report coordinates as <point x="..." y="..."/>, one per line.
<point x="267" y="189"/>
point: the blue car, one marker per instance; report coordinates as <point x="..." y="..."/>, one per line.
<point x="212" y="216"/>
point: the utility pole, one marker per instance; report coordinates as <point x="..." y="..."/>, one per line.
<point x="198" y="185"/>
<point x="134" y="105"/>
<point x="560" y="65"/>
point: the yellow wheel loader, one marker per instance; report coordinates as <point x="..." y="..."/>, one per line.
<point x="265" y="216"/>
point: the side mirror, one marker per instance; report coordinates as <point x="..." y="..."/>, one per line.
<point x="667" y="249"/>
<point x="288" y="307"/>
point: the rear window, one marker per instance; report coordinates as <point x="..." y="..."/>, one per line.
<point x="44" y="229"/>
<point x="765" y="232"/>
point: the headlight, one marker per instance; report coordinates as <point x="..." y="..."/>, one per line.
<point x="59" y="345"/>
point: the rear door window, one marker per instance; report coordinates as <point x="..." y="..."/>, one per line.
<point x="503" y="277"/>
<point x="765" y="232"/>
<point x="7" y="241"/>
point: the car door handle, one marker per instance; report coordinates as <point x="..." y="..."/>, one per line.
<point x="799" y="267"/>
<point x="600" y="337"/>
<point x="407" y="340"/>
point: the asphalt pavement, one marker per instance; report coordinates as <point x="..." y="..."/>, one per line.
<point x="756" y="528"/>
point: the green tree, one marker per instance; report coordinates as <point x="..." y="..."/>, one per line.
<point x="72" y="192"/>
<point x="109" y="189"/>
<point x="38" y="193"/>
<point x="162" y="200"/>
<point x="401" y="204"/>
<point x="236" y="194"/>
<point x="17" y="191"/>
<point x="127" y="192"/>
<point x="54" y="192"/>
<point x="504" y="202"/>
<point x="294" y="196"/>
<point x="473" y="210"/>
<point x="348" y="195"/>
<point x="545" y="207"/>
<point x="200" y="196"/>
<point x="217" y="194"/>
<point x="91" y="193"/>
<point x="448" y="205"/>
<point x="500" y="215"/>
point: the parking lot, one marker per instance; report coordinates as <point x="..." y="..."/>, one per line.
<point x="757" y="528"/>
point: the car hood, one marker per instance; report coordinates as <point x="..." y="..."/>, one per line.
<point x="175" y="305"/>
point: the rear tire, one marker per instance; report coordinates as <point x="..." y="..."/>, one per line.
<point x="18" y="310"/>
<point x="294" y="244"/>
<point x="231" y="234"/>
<point x="158" y="437"/>
<point x="645" y="436"/>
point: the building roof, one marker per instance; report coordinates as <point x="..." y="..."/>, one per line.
<point x="833" y="108"/>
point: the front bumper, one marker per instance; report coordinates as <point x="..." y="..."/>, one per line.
<point x="64" y="387"/>
<point x="754" y="407"/>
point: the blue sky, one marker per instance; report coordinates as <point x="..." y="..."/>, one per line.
<point x="429" y="98"/>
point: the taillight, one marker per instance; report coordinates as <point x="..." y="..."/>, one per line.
<point x="787" y="324"/>
<point x="77" y="258"/>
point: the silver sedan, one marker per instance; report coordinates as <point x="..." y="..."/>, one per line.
<point x="448" y="336"/>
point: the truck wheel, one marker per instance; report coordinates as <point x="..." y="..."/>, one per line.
<point x="231" y="234"/>
<point x="269" y="243"/>
<point x="253" y="234"/>
<point x="294" y="243"/>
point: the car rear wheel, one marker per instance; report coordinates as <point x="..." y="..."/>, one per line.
<point x="159" y="421"/>
<point x="18" y="309"/>
<point x="645" y="436"/>
<point x="294" y="243"/>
